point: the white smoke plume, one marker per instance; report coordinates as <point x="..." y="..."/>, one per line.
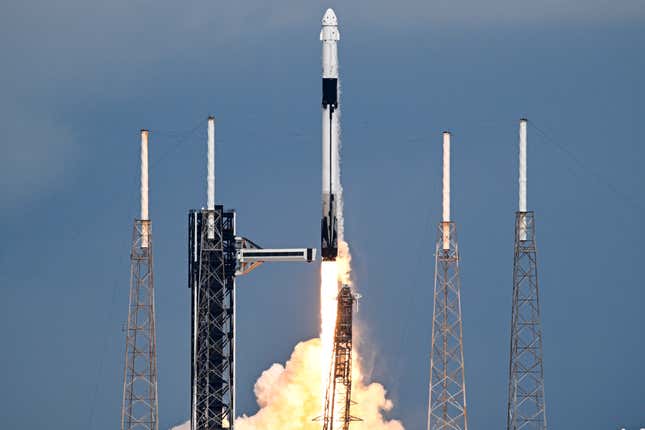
<point x="289" y="396"/>
<point x="184" y="426"/>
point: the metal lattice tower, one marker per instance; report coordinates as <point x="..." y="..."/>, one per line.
<point x="216" y="255"/>
<point x="338" y="397"/>
<point x="447" y="403"/>
<point x="213" y="303"/>
<point x="526" y="407"/>
<point x="140" y="407"/>
<point x="447" y="392"/>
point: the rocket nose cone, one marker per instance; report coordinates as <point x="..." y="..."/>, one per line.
<point x="329" y="18"/>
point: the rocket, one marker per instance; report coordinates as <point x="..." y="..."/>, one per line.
<point x="329" y="37"/>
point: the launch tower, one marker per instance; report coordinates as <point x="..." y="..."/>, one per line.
<point x="526" y="409"/>
<point x="139" y="409"/>
<point x="216" y="255"/>
<point x="447" y="392"/>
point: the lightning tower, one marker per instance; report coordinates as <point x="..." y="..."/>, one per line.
<point x="216" y="256"/>
<point x="447" y="392"/>
<point x="526" y="409"/>
<point x="211" y="251"/>
<point x="140" y="408"/>
<point x="338" y="397"/>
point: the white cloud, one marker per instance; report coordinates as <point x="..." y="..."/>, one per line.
<point x="184" y="426"/>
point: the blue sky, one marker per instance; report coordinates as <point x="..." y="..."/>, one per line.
<point x="80" y="79"/>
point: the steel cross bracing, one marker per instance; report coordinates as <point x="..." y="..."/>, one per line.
<point x="338" y="397"/>
<point x="215" y="257"/>
<point x="526" y="409"/>
<point x="140" y="408"/>
<point x="212" y="279"/>
<point x="447" y="393"/>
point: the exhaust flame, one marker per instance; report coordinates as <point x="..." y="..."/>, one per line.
<point x="328" y="291"/>
<point x="333" y="274"/>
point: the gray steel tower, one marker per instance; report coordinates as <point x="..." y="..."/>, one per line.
<point x="447" y="397"/>
<point x="140" y="408"/>
<point x="526" y="409"/>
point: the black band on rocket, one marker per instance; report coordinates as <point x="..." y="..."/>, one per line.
<point x="330" y="92"/>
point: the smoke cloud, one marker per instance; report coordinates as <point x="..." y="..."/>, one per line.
<point x="289" y="396"/>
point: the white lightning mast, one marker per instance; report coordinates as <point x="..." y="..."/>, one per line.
<point x="144" y="188"/>
<point x="522" y="178"/>
<point x="446" y="190"/>
<point x="447" y="389"/>
<point x="140" y="407"/>
<point x="210" y="192"/>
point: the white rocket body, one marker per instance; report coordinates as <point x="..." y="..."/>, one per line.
<point x="329" y="37"/>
